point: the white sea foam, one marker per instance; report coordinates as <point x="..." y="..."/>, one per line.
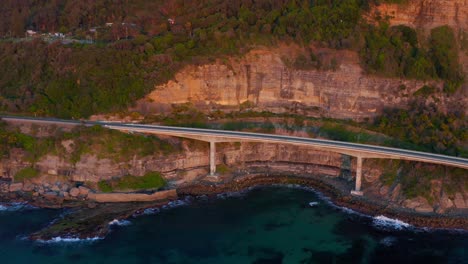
<point x="151" y="211"/>
<point x="322" y="197"/>
<point x="312" y="204"/>
<point x="389" y="223"/>
<point x="15" y="206"/>
<point x="296" y="186"/>
<point x="120" y="222"/>
<point x="347" y="210"/>
<point x="70" y="240"/>
<point x="173" y="204"/>
<point x="388" y="241"/>
<point x="177" y="203"/>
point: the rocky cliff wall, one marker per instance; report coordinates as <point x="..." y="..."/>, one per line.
<point x="57" y="179"/>
<point x="180" y="168"/>
<point x="427" y="14"/>
<point x="262" y="78"/>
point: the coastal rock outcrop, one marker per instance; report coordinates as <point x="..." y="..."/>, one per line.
<point x="419" y="204"/>
<point x="14" y="187"/>
<point x="460" y="202"/>
<point x="74" y="192"/>
<point x="262" y="81"/>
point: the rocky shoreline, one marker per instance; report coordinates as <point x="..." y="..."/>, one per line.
<point x="89" y="223"/>
<point x="87" y="219"/>
<point x="338" y="197"/>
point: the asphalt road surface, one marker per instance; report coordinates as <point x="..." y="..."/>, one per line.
<point x="354" y="149"/>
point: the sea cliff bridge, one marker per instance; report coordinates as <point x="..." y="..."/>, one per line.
<point x="360" y="151"/>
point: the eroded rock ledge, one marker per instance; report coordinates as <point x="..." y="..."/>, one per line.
<point x="85" y="223"/>
<point x="58" y="180"/>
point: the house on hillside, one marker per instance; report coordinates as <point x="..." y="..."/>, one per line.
<point x="31" y="33"/>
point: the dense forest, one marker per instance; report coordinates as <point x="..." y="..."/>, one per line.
<point x="151" y="17"/>
<point x="137" y="44"/>
<point x="77" y="80"/>
<point x="149" y="40"/>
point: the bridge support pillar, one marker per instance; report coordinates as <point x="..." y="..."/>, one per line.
<point x="357" y="190"/>
<point x="212" y="158"/>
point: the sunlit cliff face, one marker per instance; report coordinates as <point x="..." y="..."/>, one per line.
<point x="426" y="14"/>
<point x="263" y="80"/>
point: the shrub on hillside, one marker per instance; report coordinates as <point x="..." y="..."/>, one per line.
<point x="26" y="174"/>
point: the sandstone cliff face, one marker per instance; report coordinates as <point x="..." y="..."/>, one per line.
<point x="57" y="177"/>
<point x="262" y="78"/>
<point x="183" y="167"/>
<point x="427" y="14"/>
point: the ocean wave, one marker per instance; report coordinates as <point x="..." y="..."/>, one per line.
<point x="312" y="204"/>
<point x="384" y="222"/>
<point x="70" y="240"/>
<point x="9" y="207"/>
<point x="295" y="186"/>
<point x="172" y="204"/>
<point x="150" y="211"/>
<point x="349" y="210"/>
<point x="321" y="196"/>
<point x="329" y="201"/>
<point x="122" y="222"/>
<point x="177" y="203"/>
<point x="381" y="222"/>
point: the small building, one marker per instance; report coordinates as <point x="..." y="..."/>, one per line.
<point x="30" y="33"/>
<point x="58" y="35"/>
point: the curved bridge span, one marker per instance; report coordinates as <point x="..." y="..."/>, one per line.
<point x="360" y="151"/>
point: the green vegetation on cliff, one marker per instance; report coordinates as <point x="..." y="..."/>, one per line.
<point x="397" y="52"/>
<point x="444" y="51"/>
<point x="75" y="80"/>
<point x="34" y="147"/>
<point x="151" y="180"/>
<point x="424" y="126"/>
<point x="418" y="179"/>
<point x="98" y="141"/>
<point x="70" y="82"/>
<point x="146" y="42"/>
<point x="115" y="20"/>
<point x="421" y="127"/>
<point x="113" y="144"/>
<point x="26" y="174"/>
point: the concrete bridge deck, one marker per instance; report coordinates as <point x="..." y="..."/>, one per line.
<point x="212" y="136"/>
